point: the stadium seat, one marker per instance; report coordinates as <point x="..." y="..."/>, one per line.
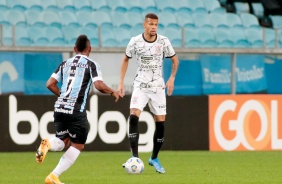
<point x="174" y="35"/>
<point x="122" y="36"/>
<point x="206" y="37"/>
<point x="222" y="37"/>
<point x="34" y="5"/>
<point x="16" y="17"/>
<point x="270" y="38"/>
<point x="166" y="6"/>
<point x="276" y="21"/>
<point x="82" y="5"/>
<point x="161" y="31"/>
<point x="92" y="34"/>
<point x="196" y="6"/>
<point x="100" y="5"/>
<point x="103" y="19"/>
<point x="38" y="36"/>
<point x="16" y="5"/>
<point x="249" y="20"/>
<point x="182" y="6"/>
<point x="134" y="6"/>
<point x="191" y="38"/>
<point x="234" y="20"/>
<point x="149" y="6"/>
<point x="55" y="36"/>
<point x="185" y="19"/>
<point x="120" y="19"/>
<point x="51" y="18"/>
<point x="168" y="19"/>
<point x="50" y="5"/>
<point x="108" y="38"/>
<point x="117" y="5"/>
<point x="7" y="35"/>
<point x="242" y="7"/>
<point x="68" y="18"/>
<point x="22" y="37"/>
<point x="213" y="6"/>
<point x="34" y="18"/>
<point x="218" y="20"/>
<point x="66" y="5"/>
<point x="201" y="20"/>
<point x="222" y="2"/>
<point x="238" y="37"/>
<point x="258" y="9"/>
<point x="3" y="6"/>
<point x="87" y="19"/>
<point x="70" y="35"/>
<point x="136" y="18"/>
<point x="255" y="37"/>
<point x="136" y="30"/>
<point x="4" y="18"/>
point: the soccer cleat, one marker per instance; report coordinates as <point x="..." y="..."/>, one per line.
<point x="156" y="163"/>
<point x="42" y="151"/>
<point x="52" y="179"/>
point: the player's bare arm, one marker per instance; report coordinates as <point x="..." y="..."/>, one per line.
<point x="123" y="69"/>
<point x="170" y="82"/>
<point x="103" y="88"/>
<point x="52" y="86"/>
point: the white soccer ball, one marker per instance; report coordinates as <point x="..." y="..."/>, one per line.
<point x="134" y="165"/>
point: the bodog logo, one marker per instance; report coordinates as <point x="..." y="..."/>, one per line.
<point x="245" y="122"/>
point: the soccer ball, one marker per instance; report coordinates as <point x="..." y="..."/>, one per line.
<point x="134" y="165"/>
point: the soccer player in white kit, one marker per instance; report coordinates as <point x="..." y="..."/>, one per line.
<point x="149" y="86"/>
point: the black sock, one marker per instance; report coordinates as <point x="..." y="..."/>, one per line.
<point x="133" y="134"/>
<point x="158" y="138"/>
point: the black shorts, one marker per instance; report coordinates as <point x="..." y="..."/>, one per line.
<point x="75" y="126"/>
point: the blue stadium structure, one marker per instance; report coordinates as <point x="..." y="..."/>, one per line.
<point x="111" y="23"/>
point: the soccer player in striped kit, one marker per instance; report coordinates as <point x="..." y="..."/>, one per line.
<point x="77" y="75"/>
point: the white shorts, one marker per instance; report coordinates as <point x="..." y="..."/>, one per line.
<point x="156" y="101"/>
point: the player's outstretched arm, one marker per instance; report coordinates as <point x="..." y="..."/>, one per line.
<point x="170" y="82"/>
<point x="123" y="69"/>
<point x="103" y="88"/>
<point x="52" y="86"/>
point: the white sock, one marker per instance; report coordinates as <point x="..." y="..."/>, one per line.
<point x="56" y="144"/>
<point x="66" y="161"/>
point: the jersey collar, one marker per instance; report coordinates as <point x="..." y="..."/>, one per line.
<point x="149" y="41"/>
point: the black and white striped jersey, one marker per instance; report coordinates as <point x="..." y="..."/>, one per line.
<point x="77" y="74"/>
<point x="149" y="57"/>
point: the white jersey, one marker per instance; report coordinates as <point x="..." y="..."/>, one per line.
<point x="149" y="57"/>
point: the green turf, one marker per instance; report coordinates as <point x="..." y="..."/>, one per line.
<point x="181" y="167"/>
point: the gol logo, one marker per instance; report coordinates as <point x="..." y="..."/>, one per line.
<point x="245" y="122"/>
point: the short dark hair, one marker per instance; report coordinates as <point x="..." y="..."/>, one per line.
<point x="151" y="16"/>
<point x="81" y="43"/>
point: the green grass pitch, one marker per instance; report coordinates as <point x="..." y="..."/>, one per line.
<point x="181" y="167"/>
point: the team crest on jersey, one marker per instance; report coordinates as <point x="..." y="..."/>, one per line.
<point x="158" y="49"/>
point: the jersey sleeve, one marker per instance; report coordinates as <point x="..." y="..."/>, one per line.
<point x="95" y="72"/>
<point x="129" y="52"/>
<point x="58" y="72"/>
<point x="168" y="49"/>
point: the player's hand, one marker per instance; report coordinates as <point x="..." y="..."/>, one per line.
<point x="121" y="90"/>
<point x="115" y="95"/>
<point x="170" y="86"/>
